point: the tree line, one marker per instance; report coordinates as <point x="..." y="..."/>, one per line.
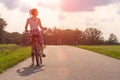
<point x="57" y="36"/>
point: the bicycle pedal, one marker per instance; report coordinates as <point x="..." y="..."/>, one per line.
<point x="43" y="55"/>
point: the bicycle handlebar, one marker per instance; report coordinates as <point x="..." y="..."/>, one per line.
<point x="47" y="31"/>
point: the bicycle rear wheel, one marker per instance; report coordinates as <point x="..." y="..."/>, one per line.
<point x="38" y="55"/>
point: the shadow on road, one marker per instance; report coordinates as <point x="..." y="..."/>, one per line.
<point x="26" y="71"/>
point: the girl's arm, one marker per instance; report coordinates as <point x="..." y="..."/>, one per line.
<point x="26" y="26"/>
<point x="40" y="24"/>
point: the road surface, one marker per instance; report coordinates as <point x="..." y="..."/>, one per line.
<point x="66" y="63"/>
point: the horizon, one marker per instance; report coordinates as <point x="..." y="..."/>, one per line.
<point x="72" y="14"/>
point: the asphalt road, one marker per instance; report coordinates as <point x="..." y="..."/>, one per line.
<point x="66" y="63"/>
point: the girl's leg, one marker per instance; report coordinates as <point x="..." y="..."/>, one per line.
<point x="32" y="55"/>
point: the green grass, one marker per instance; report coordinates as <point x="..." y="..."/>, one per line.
<point x="10" y="55"/>
<point x="109" y="50"/>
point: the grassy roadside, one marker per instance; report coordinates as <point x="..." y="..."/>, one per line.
<point x="11" y="55"/>
<point x="109" y="50"/>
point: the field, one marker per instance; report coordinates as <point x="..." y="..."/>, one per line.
<point x="11" y="55"/>
<point x="109" y="50"/>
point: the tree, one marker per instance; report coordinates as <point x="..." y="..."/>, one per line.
<point x="78" y="37"/>
<point x="3" y="24"/>
<point x="25" y="39"/>
<point x="93" y="36"/>
<point x="113" y="39"/>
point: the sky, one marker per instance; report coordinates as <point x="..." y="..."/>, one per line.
<point x="101" y="14"/>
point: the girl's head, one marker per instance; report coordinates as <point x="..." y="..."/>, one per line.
<point x="34" y="12"/>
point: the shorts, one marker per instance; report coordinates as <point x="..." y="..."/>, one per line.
<point x="38" y="34"/>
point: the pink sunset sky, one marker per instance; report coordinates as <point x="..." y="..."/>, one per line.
<point x="101" y="14"/>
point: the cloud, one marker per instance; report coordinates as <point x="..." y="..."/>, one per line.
<point x="107" y="20"/>
<point x="24" y="7"/>
<point x="91" y="22"/>
<point x="64" y="5"/>
<point x="10" y="4"/>
<point x="61" y="17"/>
<point x="50" y="5"/>
<point x="118" y="9"/>
<point x="83" y="5"/>
<point x="119" y="12"/>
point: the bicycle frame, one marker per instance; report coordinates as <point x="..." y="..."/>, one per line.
<point x="37" y="49"/>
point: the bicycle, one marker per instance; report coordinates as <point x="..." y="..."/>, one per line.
<point x="37" y="47"/>
<point x="37" y="50"/>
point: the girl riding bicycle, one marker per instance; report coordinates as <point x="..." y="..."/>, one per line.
<point x="35" y="23"/>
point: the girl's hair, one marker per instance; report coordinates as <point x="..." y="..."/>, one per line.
<point x="33" y="11"/>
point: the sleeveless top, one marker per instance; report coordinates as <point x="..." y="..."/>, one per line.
<point x="33" y="24"/>
<point x="34" y="30"/>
